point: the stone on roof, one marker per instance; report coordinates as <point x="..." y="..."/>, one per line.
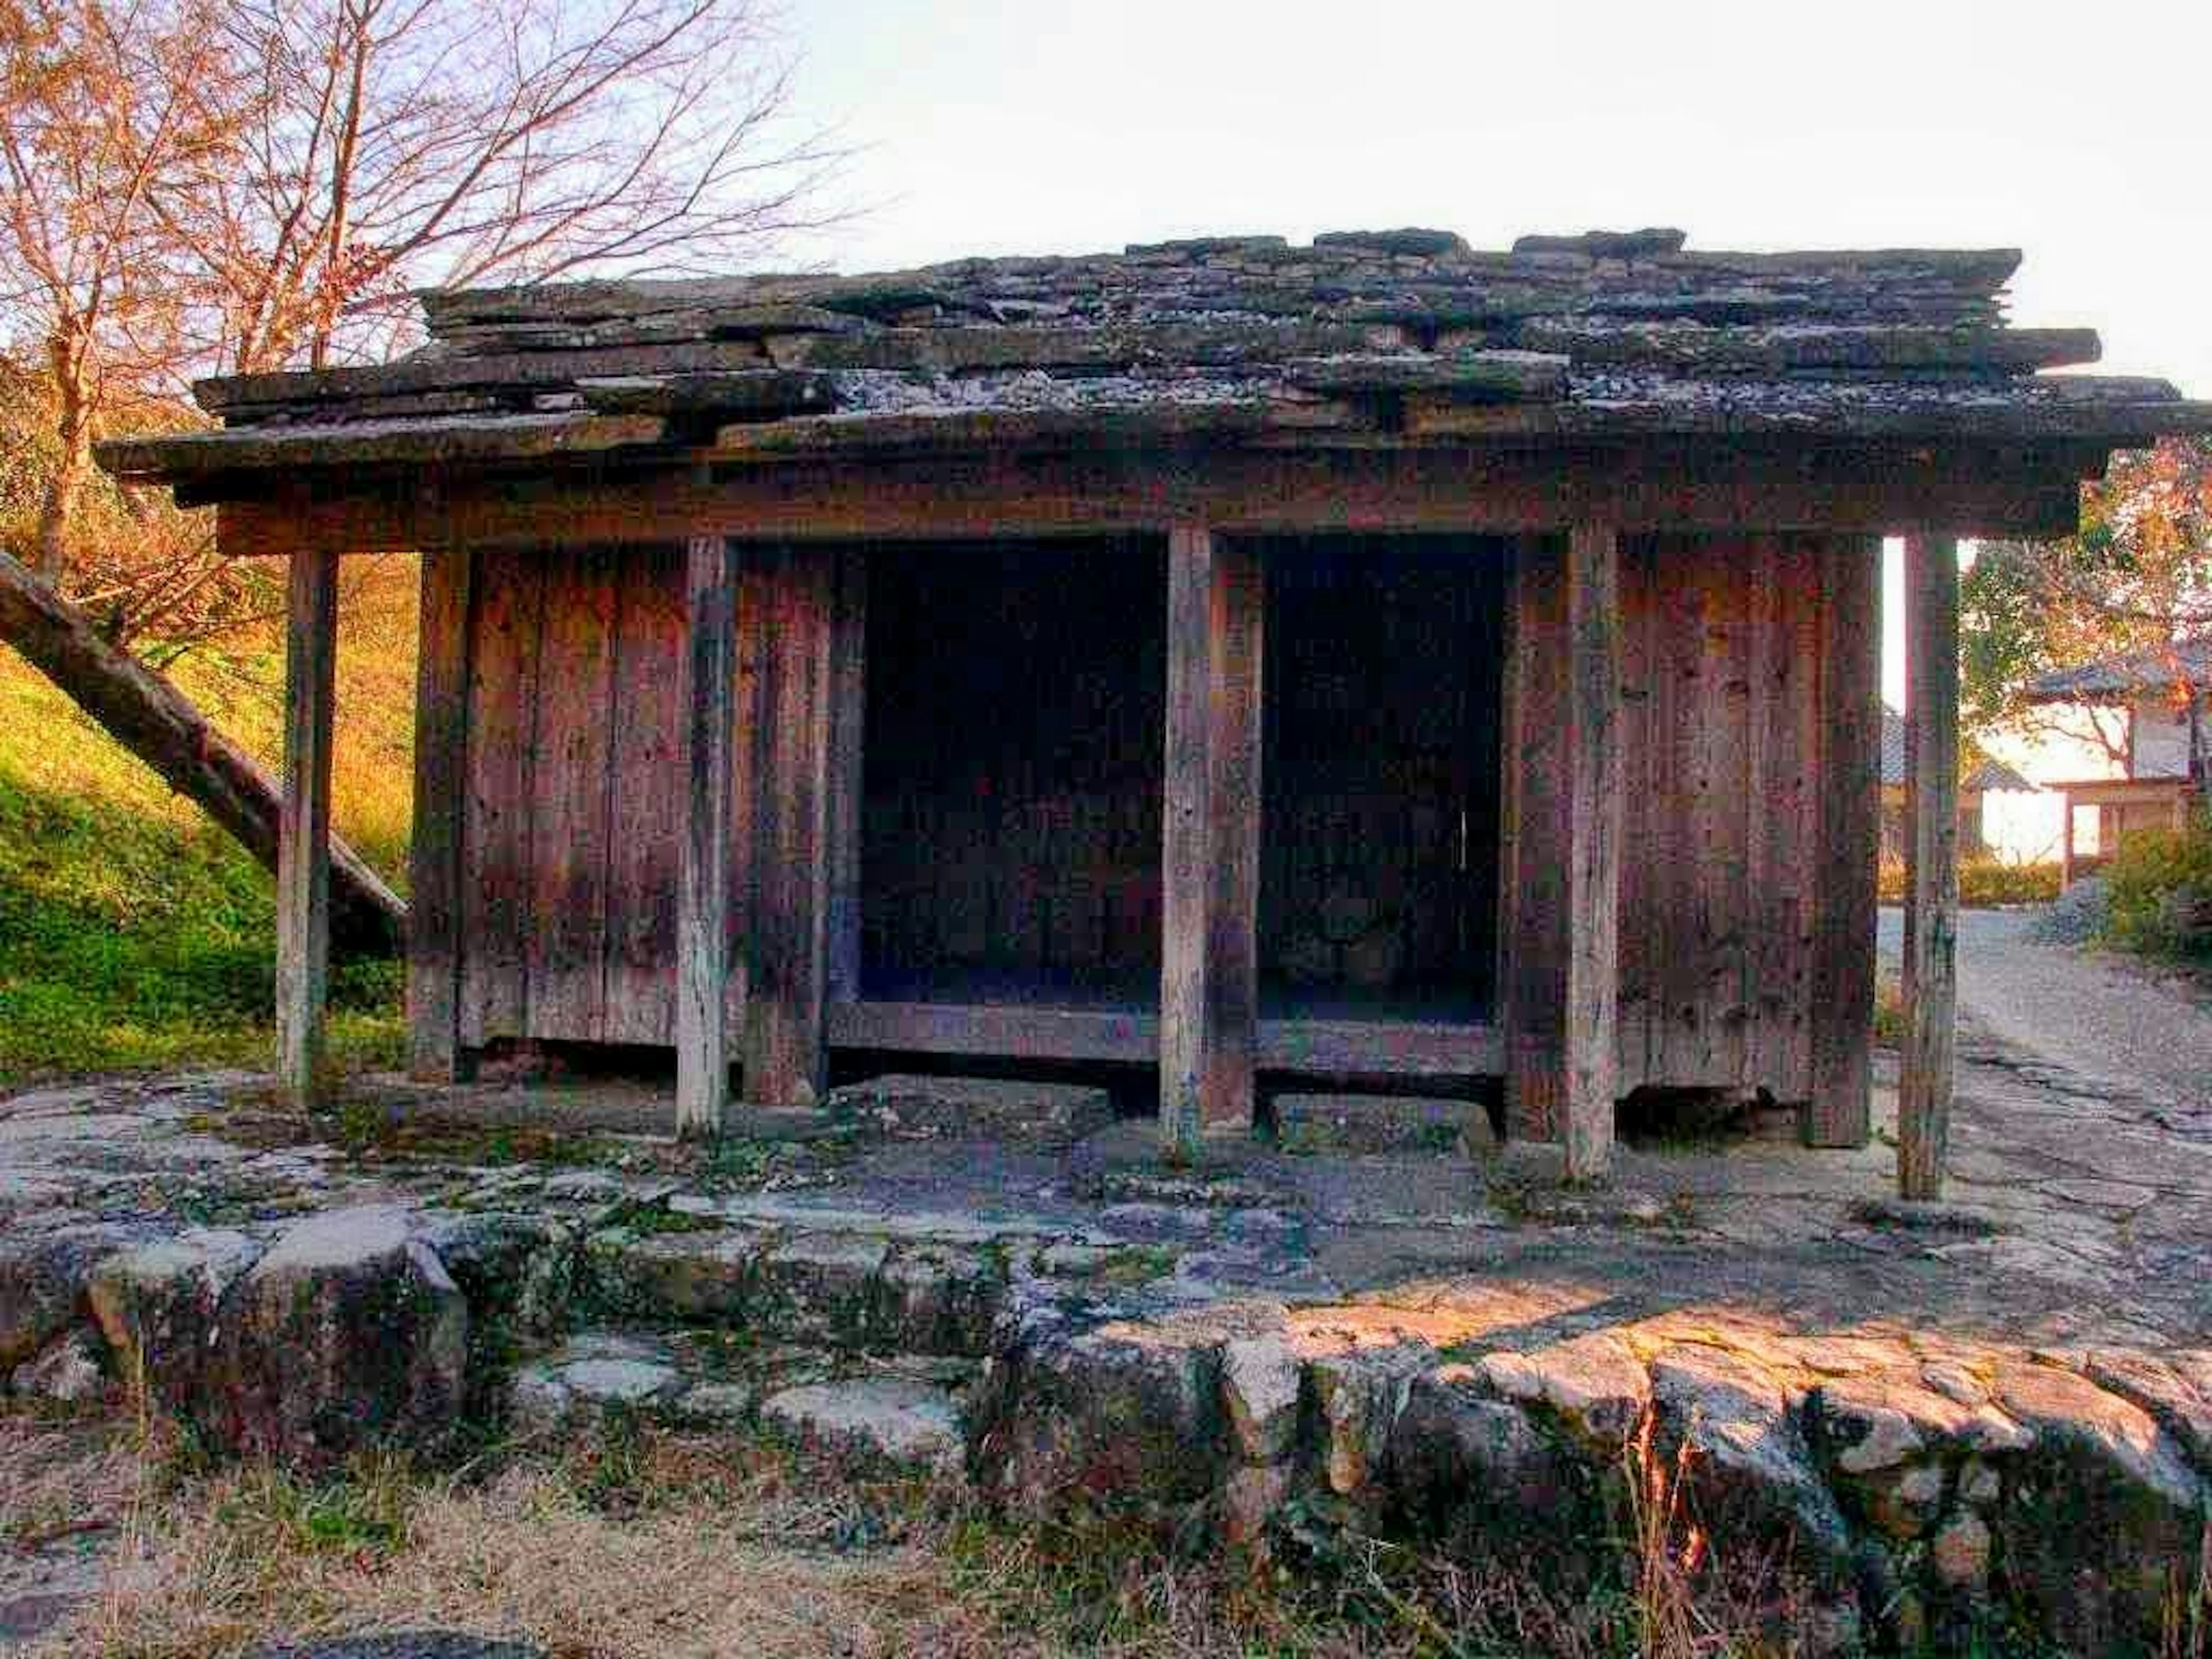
<point x="1372" y="338"/>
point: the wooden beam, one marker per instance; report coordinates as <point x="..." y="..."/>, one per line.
<point x="1930" y="985"/>
<point x="1209" y="857"/>
<point x="788" y="605"/>
<point x="1848" y="698"/>
<point x="1593" y="767"/>
<point x="702" y="900"/>
<point x="303" y="841"/>
<point x="1973" y="488"/>
<point x="434" y="945"/>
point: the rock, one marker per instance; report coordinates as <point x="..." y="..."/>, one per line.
<point x="406" y="1645"/>
<point x="517" y="1269"/>
<point x="897" y="1418"/>
<point x="1880" y="1420"/>
<point x="1594" y="1384"/>
<point x="348" y="1334"/>
<point x="160" y="1307"/>
<point x="1251" y="1500"/>
<point x="1001" y="1109"/>
<point x="1749" y="1464"/>
<point x="1466" y="1462"/>
<point x="1379" y="1123"/>
<point x="1960" y="1551"/>
<point x="596" y="1371"/>
<point x="43" y="1277"/>
<point x="1359" y="1394"/>
<point x="68" y="1373"/>
<point x="1979" y="1485"/>
<point x="1902" y="1502"/>
<point x="1259" y="1393"/>
<point x="2181" y="1404"/>
<point x="2098" y="1515"/>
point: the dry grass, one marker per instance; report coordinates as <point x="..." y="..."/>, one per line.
<point x="638" y="1544"/>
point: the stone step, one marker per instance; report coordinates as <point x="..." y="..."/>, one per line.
<point x="907" y="1409"/>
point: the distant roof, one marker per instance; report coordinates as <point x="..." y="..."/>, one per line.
<point x="1364" y="336"/>
<point x="1990" y="774"/>
<point x="2117" y="676"/>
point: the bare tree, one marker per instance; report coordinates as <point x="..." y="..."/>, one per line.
<point x="105" y="111"/>
<point x="398" y="143"/>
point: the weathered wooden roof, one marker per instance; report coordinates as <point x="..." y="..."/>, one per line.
<point x="2189" y="662"/>
<point x="1393" y="337"/>
<point x="1989" y="777"/>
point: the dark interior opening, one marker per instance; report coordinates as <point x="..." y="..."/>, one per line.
<point x="1013" y="755"/>
<point x="1378" y="864"/>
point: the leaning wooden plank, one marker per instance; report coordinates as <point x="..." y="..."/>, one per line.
<point x="1210" y="855"/>
<point x="1931" y="983"/>
<point x="371" y="443"/>
<point x="150" y="718"/>
<point x="702" y="905"/>
<point x="1593" y="762"/>
<point x="434" y="946"/>
<point x="303" y="850"/>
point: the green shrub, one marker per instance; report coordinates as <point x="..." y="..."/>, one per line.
<point x="1982" y="882"/>
<point x="2160" y="883"/>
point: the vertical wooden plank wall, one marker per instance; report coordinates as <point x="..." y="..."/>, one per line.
<point x="303" y="836"/>
<point x="437" y="869"/>
<point x="1533" y="844"/>
<point x="1209" y="839"/>
<point x="788" y="602"/>
<point x="1842" y="941"/>
<point x="1593" y="838"/>
<point x="508" y="620"/>
<point x="648" y="796"/>
<point x="1748" y="715"/>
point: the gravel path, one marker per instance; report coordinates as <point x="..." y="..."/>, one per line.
<point x="2110" y="1025"/>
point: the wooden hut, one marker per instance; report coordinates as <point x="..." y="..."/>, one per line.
<point x="1373" y="658"/>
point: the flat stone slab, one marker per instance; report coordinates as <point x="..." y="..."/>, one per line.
<point x="905" y="1419"/>
<point x="997" y="1108"/>
<point x="1381" y="1123"/>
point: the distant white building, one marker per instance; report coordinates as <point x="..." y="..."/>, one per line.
<point x="2109" y="751"/>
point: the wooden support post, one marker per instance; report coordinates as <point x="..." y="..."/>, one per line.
<point x="303" y="841"/>
<point x="1210" y="856"/>
<point x="1839" y="1112"/>
<point x="1594" y="736"/>
<point x="703" y="900"/>
<point x="434" y="1053"/>
<point x="1932" y="876"/>
<point x="788" y="608"/>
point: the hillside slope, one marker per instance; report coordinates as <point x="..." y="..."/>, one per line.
<point x="134" y="933"/>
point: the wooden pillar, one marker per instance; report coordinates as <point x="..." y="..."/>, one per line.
<point x="787" y="611"/>
<point x="435" y="868"/>
<point x="1210" y="856"/>
<point x="1931" y="882"/>
<point x="303" y="841"/>
<point x="1594" y="771"/>
<point x="2066" y="844"/>
<point x="704" y="863"/>
<point x="1560" y="858"/>
<point x="1843" y="915"/>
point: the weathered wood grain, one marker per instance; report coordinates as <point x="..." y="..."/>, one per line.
<point x="1843" y="940"/>
<point x="790" y="603"/>
<point x="505" y="635"/>
<point x="436" y="859"/>
<point x="1780" y="483"/>
<point x="303" y="855"/>
<point x="648" y="805"/>
<point x="1210" y="852"/>
<point x="1594" y="735"/>
<point x="1535" y="844"/>
<point x="1930" y="970"/>
<point x="571" y="784"/>
<point x="703" y="906"/>
<point x="848" y="776"/>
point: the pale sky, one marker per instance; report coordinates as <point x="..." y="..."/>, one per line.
<point x="2076" y="133"/>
